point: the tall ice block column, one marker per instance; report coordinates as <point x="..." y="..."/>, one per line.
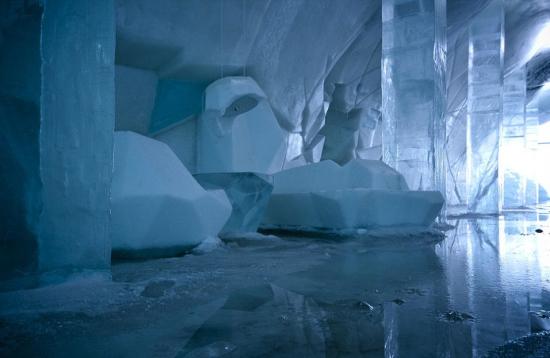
<point x="76" y="134"/>
<point x="512" y="143"/>
<point x="531" y="147"/>
<point x="485" y="64"/>
<point x="413" y="90"/>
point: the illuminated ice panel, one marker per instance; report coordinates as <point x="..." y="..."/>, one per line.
<point x="413" y="90"/>
<point x="485" y="64"/>
<point x="512" y="144"/>
<point x="531" y="147"/>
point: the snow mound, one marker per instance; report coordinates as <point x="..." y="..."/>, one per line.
<point x="158" y="209"/>
<point x="361" y="194"/>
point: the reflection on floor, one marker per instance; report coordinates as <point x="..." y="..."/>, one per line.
<point x="478" y="288"/>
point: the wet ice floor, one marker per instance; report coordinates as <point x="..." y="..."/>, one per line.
<point x="406" y="297"/>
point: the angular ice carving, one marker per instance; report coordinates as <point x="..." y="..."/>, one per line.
<point x="248" y="193"/>
<point x="181" y="137"/>
<point x="360" y="194"/>
<point x="158" y="208"/>
<point x="238" y="131"/>
<point x="485" y="70"/>
<point x="413" y="90"/>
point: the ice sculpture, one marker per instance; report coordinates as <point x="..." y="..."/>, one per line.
<point x="76" y="133"/>
<point x="413" y="90"/>
<point x="348" y="135"/>
<point x="158" y="208"/>
<point x="238" y="131"/>
<point x="361" y="194"/>
<point x="248" y="193"/>
<point x="512" y="143"/>
<point x="485" y="71"/>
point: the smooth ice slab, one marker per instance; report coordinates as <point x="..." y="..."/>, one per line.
<point x="248" y="193"/>
<point x="158" y="208"/>
<point x="238" y="131"/>
<point x="361" y="194"/>
<point x="353" y="208"/>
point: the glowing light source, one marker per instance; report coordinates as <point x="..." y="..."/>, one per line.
<point x="542" y="41"/>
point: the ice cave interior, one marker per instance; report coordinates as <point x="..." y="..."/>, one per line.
<point x="256" y="178"/>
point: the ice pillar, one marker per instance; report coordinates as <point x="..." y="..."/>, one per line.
<point x="413" y="90"/>
<point x="76" y="134"/>
<point x="531" y="148"/>
<point x="512" y="144"/>
<point x="485" y="64"/>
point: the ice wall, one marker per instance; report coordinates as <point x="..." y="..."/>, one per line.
<point x="457" y="90"/>
<point x="135" y="97"/>
<point x="19" y="128"/>
<point x="175" y="102"/>
<point x="512" y="142"/>
<point x="485" y="80"/>
<point x="413" y="90"/>
<point x="76" y="133"/>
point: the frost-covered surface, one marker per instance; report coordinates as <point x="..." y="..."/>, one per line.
<point x="532" y="346"/>
<point x="157" y="207"/>
<point x="238" y="132"/>
<point x="248" y="194"/>
<point x="327" y="175"/>
<point x="181" y="137"/>
<point x="359" y="194"/>
<point x="76" y="133"/>
<point x="262" y="297"/>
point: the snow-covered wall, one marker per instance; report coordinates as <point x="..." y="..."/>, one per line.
<point x="76" y="133"/>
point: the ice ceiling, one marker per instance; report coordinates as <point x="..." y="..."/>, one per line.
<point x="336" y="81"/>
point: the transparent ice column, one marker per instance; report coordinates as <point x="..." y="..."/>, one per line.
<point x="531" y="146"/>
<point x="513" y="140"/>
<point x="485" y="64"/>
<point x="413" y="90"/>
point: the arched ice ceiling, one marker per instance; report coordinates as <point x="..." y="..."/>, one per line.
<point x="301" y="51"/>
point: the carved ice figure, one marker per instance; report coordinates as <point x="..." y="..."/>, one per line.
<point x="238" y="131"/>
<point x="157" y="206"/>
